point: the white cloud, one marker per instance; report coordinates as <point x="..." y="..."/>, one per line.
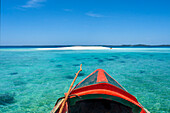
<point x="33" y="3"/>
<point x="94" y="15"/>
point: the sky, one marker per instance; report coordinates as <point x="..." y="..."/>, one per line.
<point x="85" y="22"/>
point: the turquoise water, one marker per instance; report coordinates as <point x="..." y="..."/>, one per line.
<point x="32" y="80"/>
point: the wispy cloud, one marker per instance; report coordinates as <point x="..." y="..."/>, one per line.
<point x="94" y="15"/>
<point x="33" y="3"/>
<point x="68" y="10"/>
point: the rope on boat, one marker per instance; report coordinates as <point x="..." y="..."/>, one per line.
<point x="68" y="97"/>
<point x="58" y="103"/>
<point x="63" y="101"/>
<point x="57" y="106"/>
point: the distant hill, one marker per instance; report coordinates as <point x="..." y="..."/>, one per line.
<point x="138" y="45"/>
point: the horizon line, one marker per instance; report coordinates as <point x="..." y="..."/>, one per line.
<point x="120" y="45"/>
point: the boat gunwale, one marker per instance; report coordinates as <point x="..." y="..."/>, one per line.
<point x="102" y="86"/>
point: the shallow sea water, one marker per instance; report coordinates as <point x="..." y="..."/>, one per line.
<point x="32" y="80"/>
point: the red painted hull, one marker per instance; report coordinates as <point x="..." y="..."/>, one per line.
<point x="100" y="85"/>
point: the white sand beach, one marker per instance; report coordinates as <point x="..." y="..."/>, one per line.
<point x="76" y="48"/>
